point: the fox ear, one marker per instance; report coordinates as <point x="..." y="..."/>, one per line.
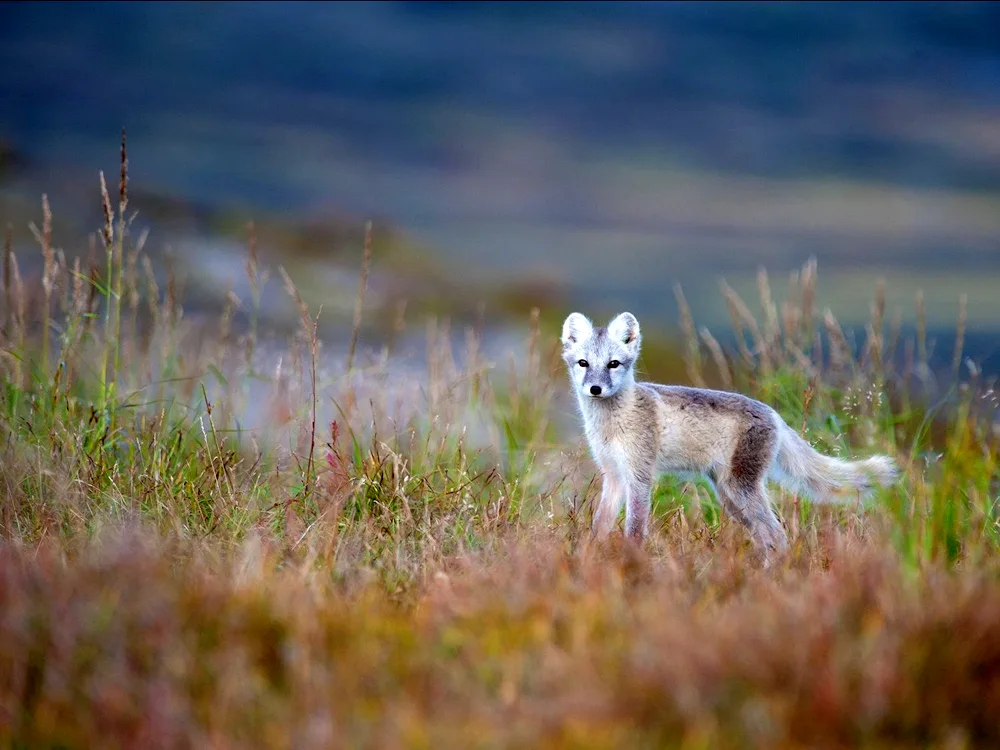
<point x="625" y="329"/>
<point x="576" y="329"/>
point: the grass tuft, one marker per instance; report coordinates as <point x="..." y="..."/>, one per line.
<point x="398" y="555"/>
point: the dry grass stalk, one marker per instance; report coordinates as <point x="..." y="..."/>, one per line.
<point x="74" y="327"/>
<point x="395" y="332"/>
<point x="718" y="356"/>
<point x="93" y="281"/>
<point x="232" y="303"/>
<point x="434" y="375"/>
<point x="132" y="291"/>
<point x="809" y="277"/>
<point x="360" y="299"/>
<point x="692" y="347"/>
<point x="78" y="300"/>
<point x="876" y="340"/>
<point x="772" y="328"/>
<point x="19" y="314"/>
<point x="63" y="283"/>
<point x="801" y="361"/>
<point x="909" y="359"/>
<point x="44" y="239"/>
<point x="895" y="333"/>
<point x="921" y="331"/>
<point x="152" y="291"/>
<point x="840" y="351"/>
<point x="108" y="230"/>
<point x="8" y="258"/>
<point x="741" y="318"/>
<point x="171" y="308"/>
<point x="790" y="312"/>
<point x="956" y="357"/>
<point x="473" y="361"/>
<point x="311" y="339"/>
<point x="257" y="280"/>
<point x="117" y="297"/>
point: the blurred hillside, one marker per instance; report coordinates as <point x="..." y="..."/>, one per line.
<point x="604" y="150"/>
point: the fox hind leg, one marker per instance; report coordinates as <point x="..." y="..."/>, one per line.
<point x="752" y="508"/>
<point x="744" y="495"/>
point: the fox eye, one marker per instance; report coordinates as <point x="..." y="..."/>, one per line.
<point x="613" y="364"/>
<point x="583" y="363"/>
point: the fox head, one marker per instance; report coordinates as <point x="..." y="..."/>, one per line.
<point x="600" y="360"/>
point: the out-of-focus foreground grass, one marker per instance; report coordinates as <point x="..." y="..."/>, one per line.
<point x="418" y="573"/>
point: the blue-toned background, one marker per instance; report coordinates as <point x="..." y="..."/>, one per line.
<point x="601" y="151"/>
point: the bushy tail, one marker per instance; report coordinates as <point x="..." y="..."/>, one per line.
<point x="800" y="468"/>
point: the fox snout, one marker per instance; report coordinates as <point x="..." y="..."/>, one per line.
<point x="595" y="390"/>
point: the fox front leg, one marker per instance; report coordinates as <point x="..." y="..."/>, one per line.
<point x="637" y="508"/>
<point x="612" y="499"/>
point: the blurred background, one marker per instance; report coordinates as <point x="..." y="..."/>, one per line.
<point x="566" y="155"/>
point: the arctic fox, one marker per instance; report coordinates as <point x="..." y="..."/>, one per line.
<point x="638" y="430"/>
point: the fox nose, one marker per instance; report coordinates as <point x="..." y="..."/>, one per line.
<point x="595" y="390"/>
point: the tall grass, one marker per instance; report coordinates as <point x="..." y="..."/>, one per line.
<point x="405" y="561"/>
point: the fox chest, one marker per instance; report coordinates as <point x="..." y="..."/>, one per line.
<point x="610" y="458"/>
<point x="611" y="450"/>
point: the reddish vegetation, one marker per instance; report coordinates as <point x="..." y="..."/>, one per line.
<point x="530" y="645"/>
<point x="425" y="578"/>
